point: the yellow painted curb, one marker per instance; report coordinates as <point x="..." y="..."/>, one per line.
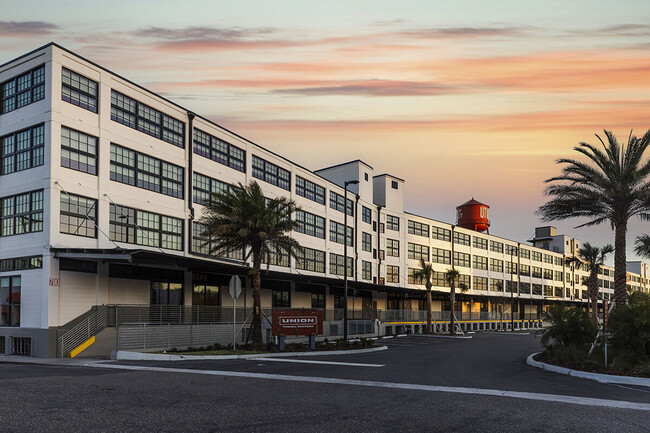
<point x="83" y="346"/>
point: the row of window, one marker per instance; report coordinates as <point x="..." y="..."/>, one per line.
<point x="22" y="90"/>
<point x="21" y="263"/>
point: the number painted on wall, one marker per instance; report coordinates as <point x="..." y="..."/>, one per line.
<point x="54" y="282"/>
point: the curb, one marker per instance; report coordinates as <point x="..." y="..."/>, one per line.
<point x="507" y="333"/>
<point x="598" y="377"/>
<point x="124" y="355"/>
<point x="455" y="337"/>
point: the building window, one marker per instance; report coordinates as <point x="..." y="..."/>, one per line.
<point x="220" y="151"/>
<point x="205" y="246"/>
<point x="479" y="262"/>
<point x="393" y="184"/>
<point x="78" y="215"/>
<point x="366" y="241"/>
<point x="78" y="151"/>
<point x="20" y="264"/>
<point x="205" y="187"/>
<point x="336" y="203"/>
<point x="511" y="250"/>
<point x="462" y="238"/>
<point x="558" y="276"/>
<point x="22" y="90"/>
<point x="439" y="279"/>
<point x="439" y="255"/>
<point x="525" y="270"/>
<point x="137" y="115"/>
<point x="164" y="293"/>
<point x="548" y="259"/>
<point x="146" y="172"/>
<point x="496" y="265"/>
<point x="311" y="260"/>
<point x="366" y="214"/>
<point x="336" y="233"/>
<point x="205" y="294"/>
<point x="392" y="222"/>
<point x="280" y="298"/>
<point x="78" y="90"/>
<point x="496" y="285"/>
<point x="337" y="265"/>
<point x="536" y="272"/>
<point x="461" y="259"/>
<point x="271" y="173"/>
<point x="418" y="229"/>
<point x="310" y="224"/>
<point x="495" y="246"/>
<point x="310" y="190"/>
<point x="537" y="256"/>
<point x="479" y="283"/>
<point x="510" y="267"/>
<point x="317" y="299"/>
<point x="480" y="243"/>
<point x="275" y="258"/>
<point x="558" y="261"/>
<point x="22" y="213"/>
<point x="134" y="226"/>
<point x="418" y="252"/>
<point x="10" y="301"/>
<point x="524" y="254"/>
<point x="548" y="274"/>
<point x="22" y="150"/>
<point x="366" y="270"/>
<point x="524" y="288"/>
<point x="392" y="247"/>
<point x="410" y="277"/>
<point x="73" y="265"/>
<point x="440" y="233"/>
<point x="392" y="274"/>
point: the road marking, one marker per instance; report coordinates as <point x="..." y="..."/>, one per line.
<point x="304" y="361"/>
<point x="583" y="401"/>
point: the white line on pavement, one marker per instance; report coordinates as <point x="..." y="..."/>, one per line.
<point x="304" y="361"/>
<point x="584" y="401"/>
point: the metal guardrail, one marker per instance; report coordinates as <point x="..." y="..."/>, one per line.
<point x="82" y="331"/>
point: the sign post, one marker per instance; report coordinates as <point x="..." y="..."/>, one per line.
<point x="235" y="290"/>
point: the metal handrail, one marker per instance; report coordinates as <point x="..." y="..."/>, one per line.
<point x="82" y="331"/>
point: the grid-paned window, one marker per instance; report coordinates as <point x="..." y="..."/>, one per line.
<point x="439" y="279"/>
<point x="462" y="238"/>
<point x="337" y="203"/>
<point x="201" y="244"/>
<point x="366" y="214"/>
<point x="547" y="274"/>
<point x="510" y="267"/>
<point x="22" y="90"/>
<point x="22" y="150"/>
<point x="392" y="247"/>
<point x="21" y="264"/>
<point x="461" y="259"/>
<point x="524" y="253"/>
<point x="78" y="151"/>
<point x="411" y="278"/>
<point x="439" y="255"/>
<point x="137" y="115"/>
<point x="481" y="243"/>
<point x="78" y="215"/>
<point x="204" y="187"/>
<point x="271" y="173"/>
<point x="440" y="233"/>
<point x="337" y="231"/>
<point x="366" y="241"/>
<point x="418" y="229"/>
<point x="495" y="246"/>
<point x="525" y="270"/>
<point x="310" y="190"/>
<point x="480" y="262"/>
<point x="366" y="270"/>
<point x="22" y="213"/>
<point x="558" y="261"/>
<point x="144" y="171"/>
<point x="511" y="286"/>
<point x="78" y="90"/>
<point x="311" y="260"/>
<point x="392" y="223"/>
<point x="524" y="288"/>
<point x="536" y="272"/>
<point x="479" y="283"/>
<point x="337" y="265"/>
<point x="417" y="252"/>
<point x="511" y="250"/>
<point x="218" y="150"/>
<point x="134" y="226"/>
<point x="310" y="224"/>
<point x="548" y="258"/>
<point x="276" y="257"/>
<point x="496" y="265"/>
<point x="10" y="301"/>
<point x="392" y="274"/>
<point x="536" y="255"/>
<point x="558" y="276"/>
<point x="496" y="285"/>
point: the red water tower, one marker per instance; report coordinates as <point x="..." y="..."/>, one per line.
<point x="473" y="215"/>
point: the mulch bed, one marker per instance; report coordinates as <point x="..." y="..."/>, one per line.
<point x="543" y="357"/>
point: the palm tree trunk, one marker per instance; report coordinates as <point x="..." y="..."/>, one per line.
<point x="593" y="295"/>
<point x="256" y="324"/>
<point x="429" y="330"/>
<point x="620" y="271"/>
<point x="452" y="318"/>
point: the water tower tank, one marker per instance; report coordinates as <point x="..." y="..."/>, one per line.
<point x="473" y="215"/>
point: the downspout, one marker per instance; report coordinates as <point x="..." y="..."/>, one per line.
<point x="356" y="238"/>
<point x="378" y="242"/>
<point x="190" y="177"/>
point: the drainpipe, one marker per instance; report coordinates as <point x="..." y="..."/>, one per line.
<point x="190" y="177"/>
<point x="356" y="238"/>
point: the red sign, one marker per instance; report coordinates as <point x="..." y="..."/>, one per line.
<point x="297" y="322"/>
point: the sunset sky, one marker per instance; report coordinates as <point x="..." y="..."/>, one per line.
<point x="460" y="98"/>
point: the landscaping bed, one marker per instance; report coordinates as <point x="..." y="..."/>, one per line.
<point x="592" y="365"/>
<point x="325" y="345"/>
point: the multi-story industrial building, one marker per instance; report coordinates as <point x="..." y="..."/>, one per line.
<point x="101" y="190"/>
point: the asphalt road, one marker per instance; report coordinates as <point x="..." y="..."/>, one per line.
<point x="401" y="390"/>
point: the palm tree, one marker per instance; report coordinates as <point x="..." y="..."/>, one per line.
<point x="243" y="219"/>
<point x="642" y="246"/>
<point x="615" y="189"/>
<point x="424" y="274"/>
<point x="451" y="276"/>
<point x="592" y="258"/>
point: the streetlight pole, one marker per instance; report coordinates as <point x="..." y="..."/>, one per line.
<point x="345" y="255"/>
<point x="513" y="250"/>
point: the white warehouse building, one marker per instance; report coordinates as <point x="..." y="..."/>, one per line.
<point x="101" y="186"/>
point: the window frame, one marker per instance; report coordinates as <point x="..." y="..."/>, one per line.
<point x="315" y="227"/>
<point x="133" y="229"/>
<point x="84" y="93"/>
<point x="31" y="214"/>
<point x="271" y="173"/>
<point x="78" y="151"/>
<point x="83" y="217"/>
<point x="35" y="150"/>
<point x="35" y="90"/>
<point x="310" y="190"/>
<point x="233" y="156"/>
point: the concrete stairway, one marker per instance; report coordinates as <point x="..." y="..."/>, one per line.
<point x="104" y="344"/>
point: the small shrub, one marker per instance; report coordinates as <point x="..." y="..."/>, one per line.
<point x="630" y="332"/>
<point x="568" y="327"/>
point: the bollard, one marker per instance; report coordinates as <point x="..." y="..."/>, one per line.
<point x="312" y="342"/>
<point x="281" y="343"/>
